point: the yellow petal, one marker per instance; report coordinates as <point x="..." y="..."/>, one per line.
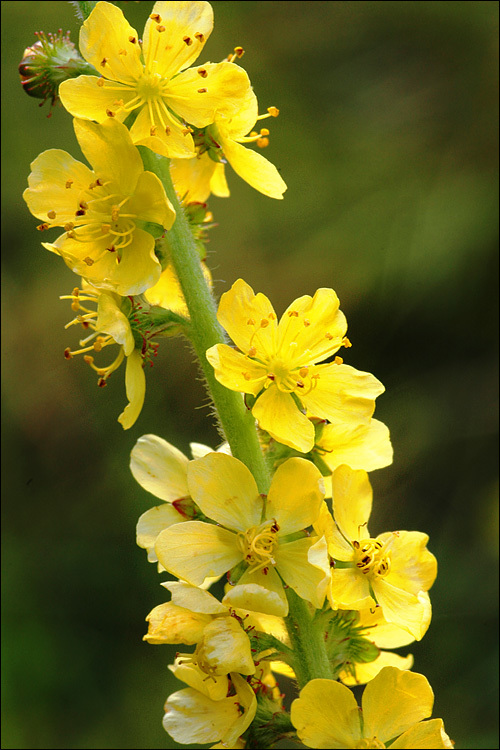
<point x="342" y="394"/>
<point x="236" y="372"/>
<point x="315" y="324"/>
<point x="413" y="567"/>
<point x="385" y="634"/>
<point x="160" y="468"/>
<point x="362" y="446"/>
<point x="249" y="319"/>
<point x="171" y="624"/>
<point x="135" y="385"/>
<point x="254" y="169"/>
<point x="349" y="589"/>
<point x="411" y="700"/>
<point x="424" y="735"/>
<point x="192" y="177"/>
<point x="109" y="149"/>
<point x="189" y="672"/>
<point x="194" y="598"/>
<point x="338" y="547"/>
<point x="150" y="202"/>
<point x="170" y="138"/>
<point x="226" y="647"/>
<point x="326" y="715"/>
<point x="91" y="98"/>
<point x="104" y="33"/>
<point x="218" y="183"/>
<point x="259" y="592"/>
<point x="152" y="523"/>
<point x="110" y="319"/>
<point x="247" y="708"/>
<point x="366" y="672"/>
<point x="352" y="502"/>
<point x="234" y="125"/>
<point x="225" y="490"/>
<point x="169" y="48"/>
<point x="279" y="415"/>
<point x="295" y="495"/>
<point x="402" y="608"/>
<point x="306" y="579"/>
<point x="194" y="550"/>
<point x="51" y="172"/>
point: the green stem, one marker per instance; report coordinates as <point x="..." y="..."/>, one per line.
<point x="310" y="657"/>
<point x="235" y="419"/>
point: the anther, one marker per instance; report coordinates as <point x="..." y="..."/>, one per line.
<point x="239" y="51"/>
<point x="250" y="322"/>
<point x="67" y="353"/>
<point x="202" y="91"/>
<point x="122" y="51"/>
<point x="252" y="351"/>
<point x="346" y="342"/>
<point x="264" y="323"/>
<point x="328" y="336"/>
<point x="303" y="372"/>
<point x="187" y="40"/>
<point x="104" y="61"/>
<point x="88" y="261"/>
<point x="100" y="82"/>
<point x="199" y="36"/>
<point x="80" y="212"/>
<point x="155" y="17"/>
<point x="152" y="130"/>
<point x="273" y="111"/>
<point x="247" y="375"/>
<point x="338" y="361"/>
<point x="160" y="29"/>
<point x="83" y="205"/>
<point x="202" y="72"/>
<point x="293" y="314"/>
<point x="132" y="39"/>
<point x="69" y="226"/>
<point x="69" y="183"/>
<point x="42" y="227"/>
<point x="110" y="113"/>
<point x="167" y="130"/>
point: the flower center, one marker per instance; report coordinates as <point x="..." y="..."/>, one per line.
<point x="366" y="744"/>
<point x="373" y="560"/>
<point x="149" y="86"/>
<point x="258" y="545"/>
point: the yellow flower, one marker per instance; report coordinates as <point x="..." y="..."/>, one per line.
<point x="395" y="568"/>
<point x="251" y="530"/>
<point x="161" y="469"/>
<point x="101" y="210"/>
<point x="276" y="362"/>
<point x="193" y="717"/>
<point x="223" y="141"/>
<point x="167" y="291"/>
<point x="153" y="79"/>
<point x="110" y="324"/>
<point x="394" y="705"/>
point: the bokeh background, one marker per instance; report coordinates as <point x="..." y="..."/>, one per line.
<point x="387" y="140"/>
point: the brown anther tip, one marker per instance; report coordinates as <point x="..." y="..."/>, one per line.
<point x="187" y="40"/>
<point x="202" y="91"/>
<point x="155" y="17"/>
<point x="199" y="36"/>
<point x="104" y="61"/>
<point x="42" y="227"/>
<point x="88" y="261"/>
<point x="100" y="82"/>
<point x="160" y="29"/>
<point x="264" y="323"/>
<point x="88" y="359"/>
<point x="132" y="39"/>
<point x="101" y="382"/>
<point x="110" y="113"/>
<point x="273" y="111"/>
<point x="83" y="205"/>
<point x="80" y="212"/>
<point x="239" y="51"/>
<point x="69" y="183"/>
<point x="152" y="130"/>
<point x="202" y="72"/>
<point x="167" y="130"/>
<point x="338" y="360"/>
<point x="122" y="51"/>
<point x="67" y="353"/>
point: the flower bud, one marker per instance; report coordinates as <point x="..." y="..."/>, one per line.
<point x="47" y="63"/>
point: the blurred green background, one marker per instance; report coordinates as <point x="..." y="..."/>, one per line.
<point x="387" y="140"/>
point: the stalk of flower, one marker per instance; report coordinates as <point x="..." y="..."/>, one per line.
<point x="394" y="569"/>
<point x="326" y="714"/>
<point x="277" y="364"/>
<point x="153" y="80"/>
<point x="101" y="211"/>
<point x="263" y="536"/>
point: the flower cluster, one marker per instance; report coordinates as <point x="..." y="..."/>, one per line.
<point x="276" y="520"/>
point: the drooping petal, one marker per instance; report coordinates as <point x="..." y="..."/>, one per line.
<point x="169" y="623"/>
<point x="235" y="125"/>
<point x="413" y="567"/>
<point x="411" y="700"/>
<point x="150" y="202"/>
<point x="195" y="550"/>
<point x="105" y="42"/>
<point x="306" y="579"/>
<point x="225" y="490"/>
<point x="364" y="672"/>
<point x="295" y="496"/>
<point x="110" y="319"/>
<point x="384" y="634"/>
<point x="352" y="502"/>
<point x="362" y="446"/>
<point x="197" y="99"/>
<point x="342" y="393"/>
<point x="160" y="468"/>
<point x="424" y="735"/>
<point x="185" y="27"/>
<point x="194" y="598"/>
<point x="247" y="708"/>
<point x="92" y="98"/>
<point x="349" y="589"/>
<point x="135" y="386"/>
<point x="402" y="608"/>
<point x="191" y="177"/>
<point x="55" y="183"/>
<point x="235" y="371"/>
<point x="249" y="319"/>
<point x="226" y="647"/>
<point x="258" y="591"/>
<point x="109" y="149"/>
<point x="338" y="547"/>
<point x="326" y="715"/>
<point x="315" y="324"/>
<point x="152" y="523"/>
<point x="218" y="183"/>
<point x="254" y="168"/>
<point x="279" y="415"/>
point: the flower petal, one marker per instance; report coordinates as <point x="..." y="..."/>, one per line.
<point x="191" y="177"/>
<point x="364" y="672"/>
<point x="338" y="547"/>
<point x="190" y="673"/>
<point x="424" y="735"/>
<point x="258" y="592"/>
<point x="195" y="550"/>
<point x="135" y="385"/>
<point x="326" y="715"/>
<point x="254" y="168"/>
<point x="160" y="468"/>
<point x="413" y="567"/>
<point x="103" y="35"/>
<point x="402" y="608"/>
<point x="308" y="580"/>
<point x="349" y="589"/>
<point x="91" y="98"/>
<point x="295" y="495"/>
<point x="249" y="319"/>
<point x="150" y="202"/>
<point x="235" y="371"/>
<point x="411" y="700"/>
<point x="110" y="319"/>
<point x="225" y="491"/>
<point x="152" y="523"/>
<point x="171" y="138"/>
<point x="169" y="623"/>
<point x="351" y="502"/>
<point x="279" y="415"/>
<point x="362" y="446"/>
<point x="226" y="647"/>
<point x="342" y="393"/>
<point x="185" y="28"/>
<point x="194" y="599"/>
